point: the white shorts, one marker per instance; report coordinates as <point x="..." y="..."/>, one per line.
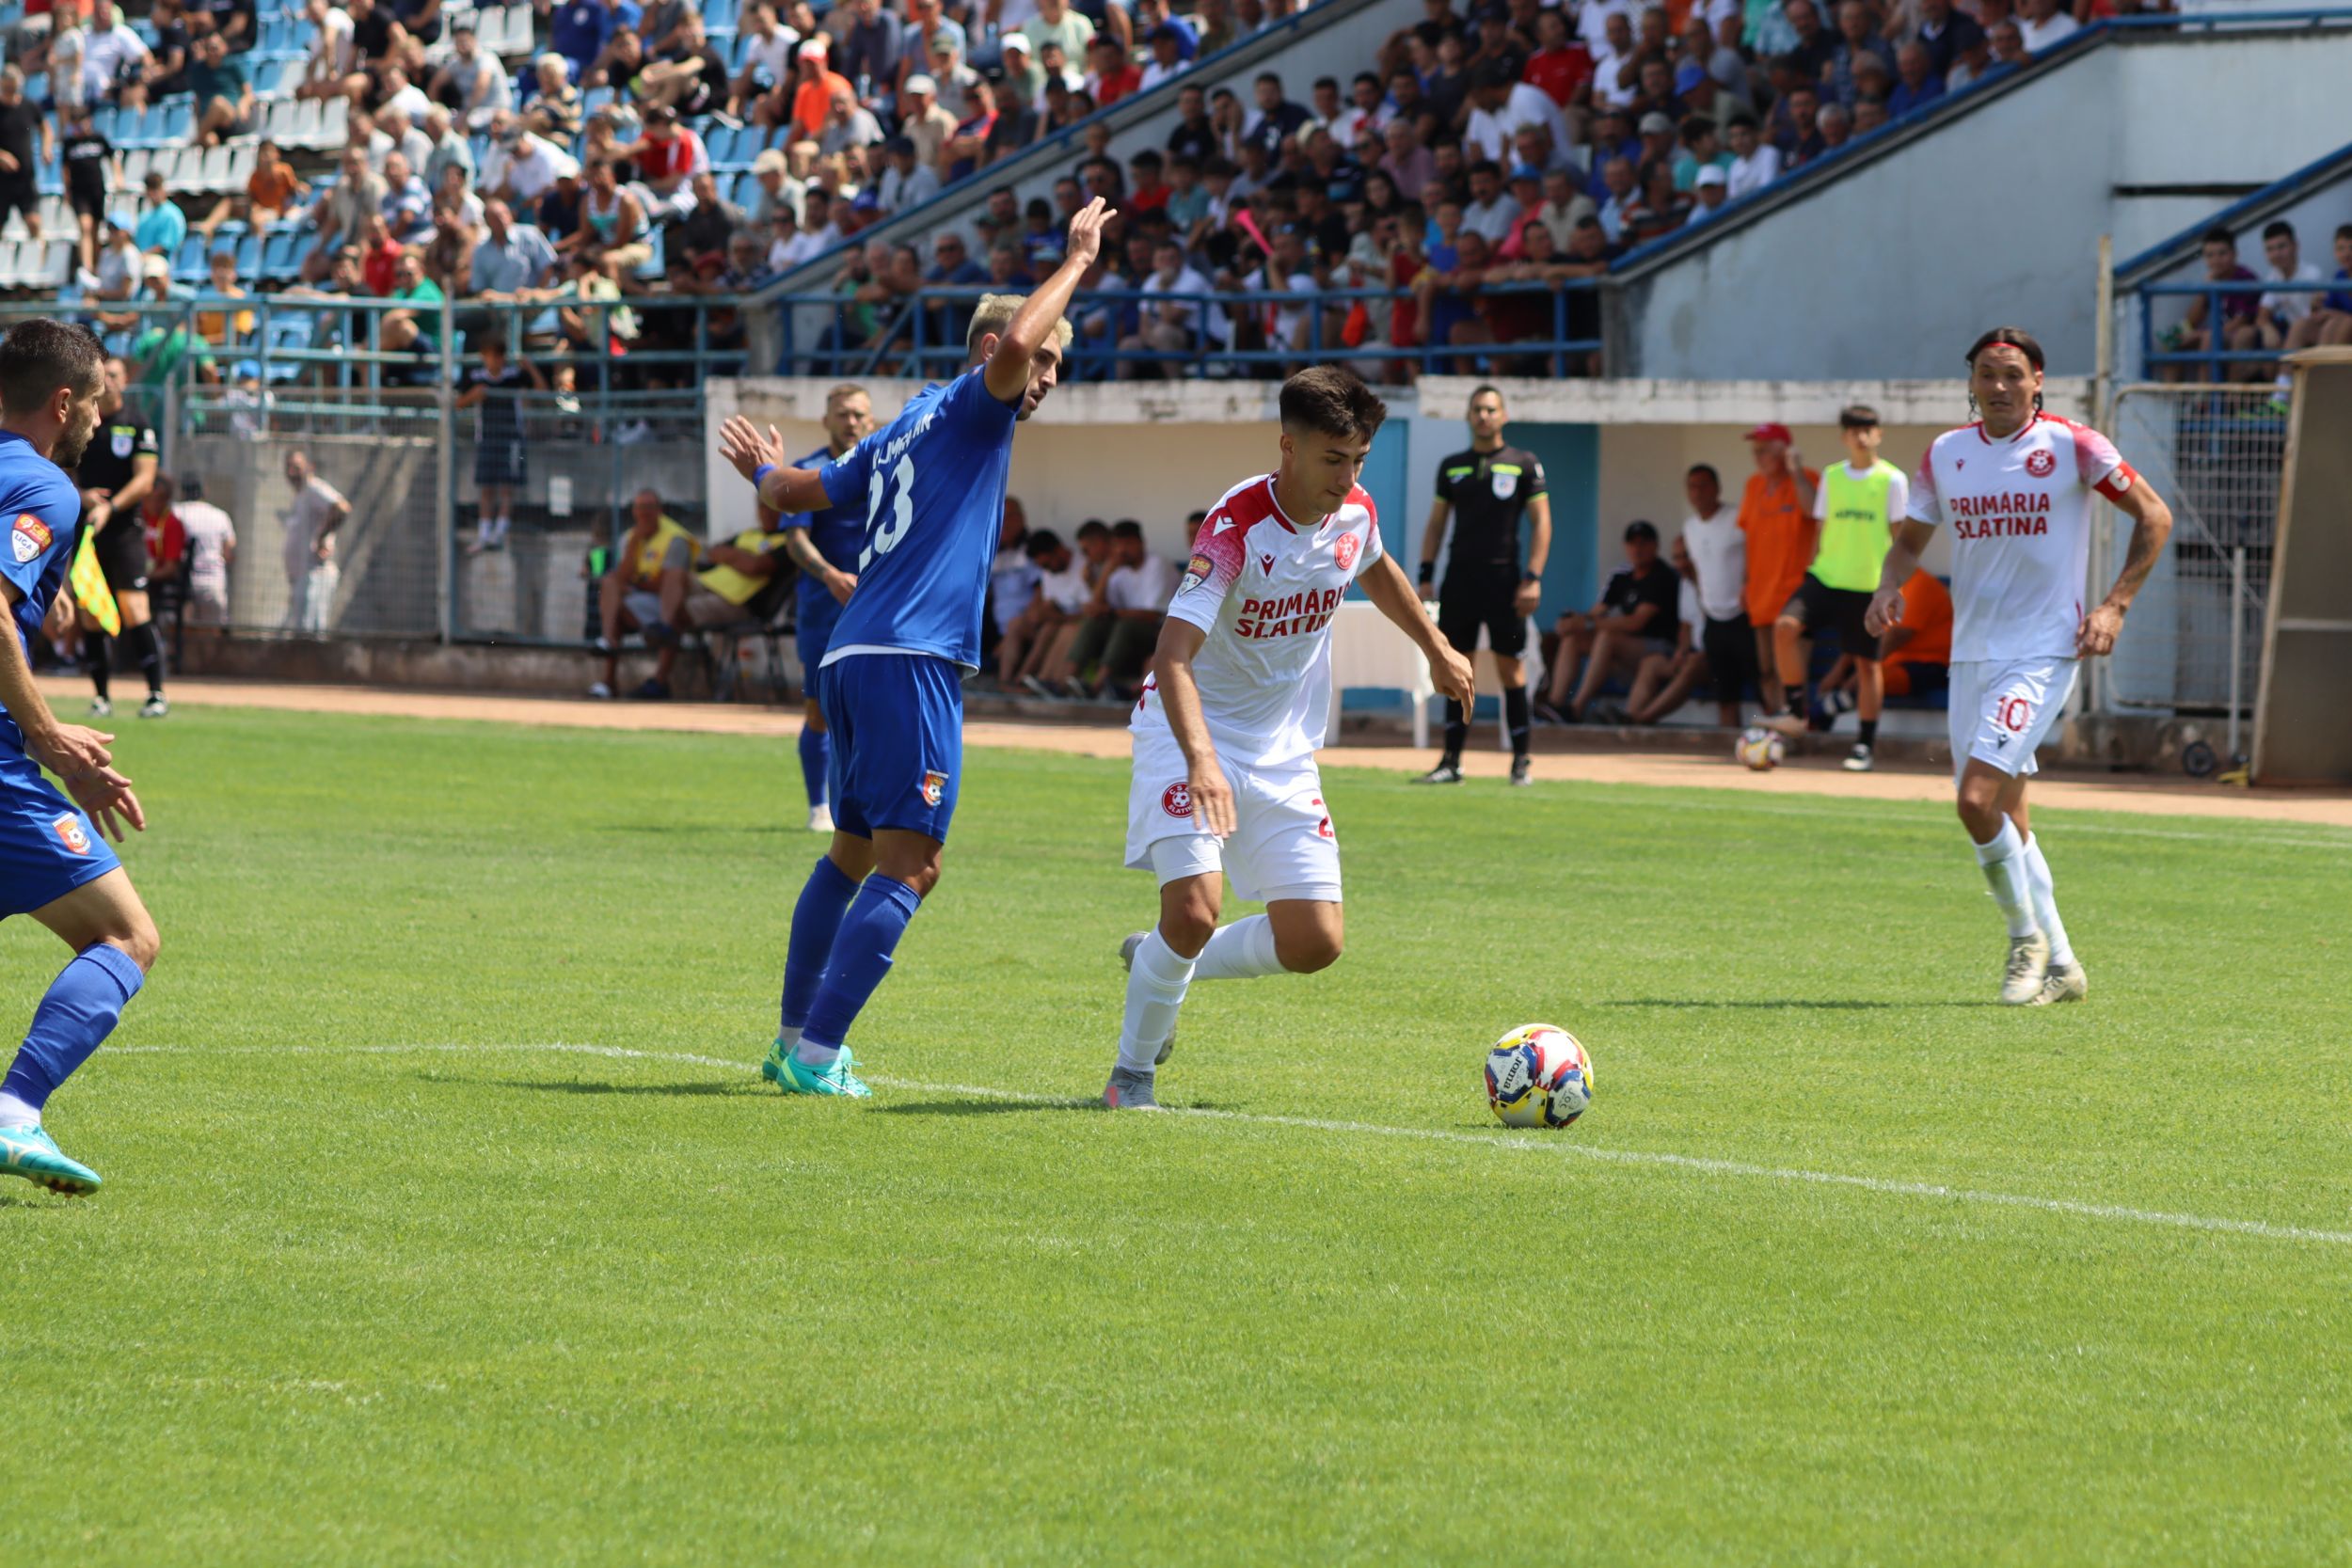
<point x="1282" y="844"/>
<point x="2001" y="710"/>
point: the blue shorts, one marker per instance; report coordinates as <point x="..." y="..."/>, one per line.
<point x="47" y="846"/>
<point x="897" y="743"/>
<point x="813" y="623"/>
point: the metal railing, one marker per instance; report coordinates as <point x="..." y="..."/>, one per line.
<point x="921" y="334"/>
<point x="2212" y="360"/>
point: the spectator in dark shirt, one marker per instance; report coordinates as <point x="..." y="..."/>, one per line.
<point x="1816" y="46"/>
<point x="1277" y="117"/>
<point x="868" y="54"/>
<point x="1634" y="619"/>
<point x="1945" y="34"/>
<point x="702" y="235"/>
<point x="1193" y="137"/>
<point x="558" y="213"/>
<point x="89" y="173"/>
<point x="21" y="123"/>
<point x="1920" y="82"/>
<point x="2240" y="312"/>
<point x="1856" y="38"/>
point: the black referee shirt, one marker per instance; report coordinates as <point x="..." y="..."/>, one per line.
<point x="1488" y="492"/>
<point x="107" y="462"/>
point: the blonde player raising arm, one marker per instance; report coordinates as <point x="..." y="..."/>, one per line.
<point x="2016" y="487"/>
<point x="1225" y="780"/>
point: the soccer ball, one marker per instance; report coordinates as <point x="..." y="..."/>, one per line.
<point x="1758" y="749"/>
<point x="1539" y="1076"/>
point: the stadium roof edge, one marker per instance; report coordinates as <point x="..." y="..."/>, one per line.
<point x="1824" y="172"/>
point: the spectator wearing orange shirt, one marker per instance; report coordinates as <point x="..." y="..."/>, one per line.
<point x="811" y="99"/>
<point x="1776" y="514"/>
<point x="1916" y="655"/>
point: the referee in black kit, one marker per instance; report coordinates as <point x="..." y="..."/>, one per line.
<point x="1486" y="490"/>
<point x="118" y="471"/>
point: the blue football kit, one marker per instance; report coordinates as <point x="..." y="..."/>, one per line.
<point x="837" y="533"/>
<point x="930" y="488"/>
<point x="48" y="847"/>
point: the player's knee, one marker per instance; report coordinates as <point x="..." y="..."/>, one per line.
<point x="1188" y="924"/>
<point x="139" y="938"/>
<point x="1305" y="952"/>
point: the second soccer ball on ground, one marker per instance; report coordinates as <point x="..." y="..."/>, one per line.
<point x="1758" y="749"/>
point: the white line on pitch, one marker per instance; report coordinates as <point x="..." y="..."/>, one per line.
<point x="1553" y="1144"/>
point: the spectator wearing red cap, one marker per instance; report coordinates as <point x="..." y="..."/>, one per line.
<point x="1776" y="514"/>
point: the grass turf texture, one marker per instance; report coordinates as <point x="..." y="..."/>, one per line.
<point x="342" y="1303"/>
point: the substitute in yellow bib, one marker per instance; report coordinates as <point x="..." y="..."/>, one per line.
<point x="668" y="584"/>
<point x="1858" y="504"/>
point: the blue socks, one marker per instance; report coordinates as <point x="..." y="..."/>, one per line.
<point x="80" y="1010"/>
<point x="816" y="919"/>
<point x="816" y="764"/>
<point x="861" y="958"/>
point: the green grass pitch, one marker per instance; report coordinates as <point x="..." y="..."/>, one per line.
<point x="382" y="1274"/>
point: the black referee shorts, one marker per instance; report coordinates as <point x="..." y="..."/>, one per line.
<point x="1488" y="600"/>
<point x="1730" y="648"/>
<point x="1819" y="606"/>
<point x="121" y="551"/>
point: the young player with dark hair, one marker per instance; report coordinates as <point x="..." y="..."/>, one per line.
<point x="1486" y="490"/>
<point x="2016" y="487"/>
<point x="54" y="864"/>
<point x="1225" y="783"/>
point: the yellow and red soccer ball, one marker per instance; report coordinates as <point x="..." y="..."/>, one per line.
<point x="1538" y="1075"/>
<point x="1758" y="749"/>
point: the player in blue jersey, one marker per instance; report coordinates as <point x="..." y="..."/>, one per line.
<point x="823" y="544"/>
<point x="55" y="864"/>
<point x="933" y="483"/>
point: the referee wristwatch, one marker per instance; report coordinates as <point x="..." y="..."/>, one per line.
<point x="1428" y="573"/>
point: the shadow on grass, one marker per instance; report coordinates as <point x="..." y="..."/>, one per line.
<point x="574" y="1086"/>
<point x="1813" y="1003"/>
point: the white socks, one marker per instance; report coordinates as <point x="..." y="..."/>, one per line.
<point x="2045" y="902"/>
<point x="1155" y="989"/>
<point x="1242" y="951"/>
<point x="17" y="1112"/>
<point x="2004" y="862"/>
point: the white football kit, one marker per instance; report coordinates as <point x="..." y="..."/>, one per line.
<point x="1263" y="588"/>
<point x="2020" y="513"/>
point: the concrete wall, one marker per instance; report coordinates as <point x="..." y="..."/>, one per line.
<point x="1893" y="269"/>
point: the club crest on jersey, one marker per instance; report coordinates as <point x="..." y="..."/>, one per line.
<point x="1504" y="483"/>
<point x="1345" y="550"/>
<point x="934" y="785"/>
<point x="124" y="439"/>
<point x="1176" y="800"/>
<point x="71" y="833"/>
<point x="2042" y="464"/>
<point x="1196" y="572"/>
<point x="28" y="538"/>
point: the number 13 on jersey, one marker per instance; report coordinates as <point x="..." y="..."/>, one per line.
<point x="884" y="529"/>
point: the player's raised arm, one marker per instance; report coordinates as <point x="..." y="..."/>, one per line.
<point x="1034" y="323"/>
<point x="759" y="457"/>
<point x="1179" y="700"/>
<point x="2152" y="525"/>
<point x="1384" y="584"/>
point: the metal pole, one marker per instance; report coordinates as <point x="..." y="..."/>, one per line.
<point x="2237" y="639"/>
<point x="445" y="486"/>
<point x="2101" y="416"/>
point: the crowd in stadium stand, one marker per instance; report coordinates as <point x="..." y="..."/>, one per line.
<point x="578" y="154"/>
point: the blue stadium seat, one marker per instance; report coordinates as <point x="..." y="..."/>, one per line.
<point x="105" y="120"/>
<point x="179" y="121"/>
<point x="273" y="78"/>
<point x="249" y="258"/>
<point x="718" y="16"/>
<point x="193" y="264"/>
<point x="282" y="256"/>
<point x="592" y="101"/>
<point x="48" y="178"/>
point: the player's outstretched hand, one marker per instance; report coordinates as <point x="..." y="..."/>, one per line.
<point x="1212" y="801"/>
<point x="74" y="749"/>
<point x="1450" y="673"/>
<point x="741" y="444"/>
<point x="1086" y="230"/>
<point x="1886" y="612"/>
<point x="2098" y="632"/>
<point x="841" y="585"/>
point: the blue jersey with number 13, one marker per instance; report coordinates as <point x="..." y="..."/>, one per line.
<point x="932" y="484"/>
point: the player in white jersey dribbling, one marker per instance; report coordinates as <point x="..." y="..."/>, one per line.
<point x="1225" y="735"/>
<point x="2015" y="488"/>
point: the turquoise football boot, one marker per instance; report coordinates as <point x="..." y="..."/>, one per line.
<point x="794" y="1076"/>
<point x="32" y="1153"/>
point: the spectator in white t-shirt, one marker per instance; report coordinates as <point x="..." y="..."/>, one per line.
<point x="1491" y="211"/>
<point x="2282" y="309"/>
<point x="1059" y="597"/>
<point x="1170" y="327"/>
<point x="212" y="546"/>
<point x="2042" y="23"/>
<point x="309" y="548"/>
<point x="1755" y="162"/>
<point x="766" y="46"/>
<point x="1718" y="553"/>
